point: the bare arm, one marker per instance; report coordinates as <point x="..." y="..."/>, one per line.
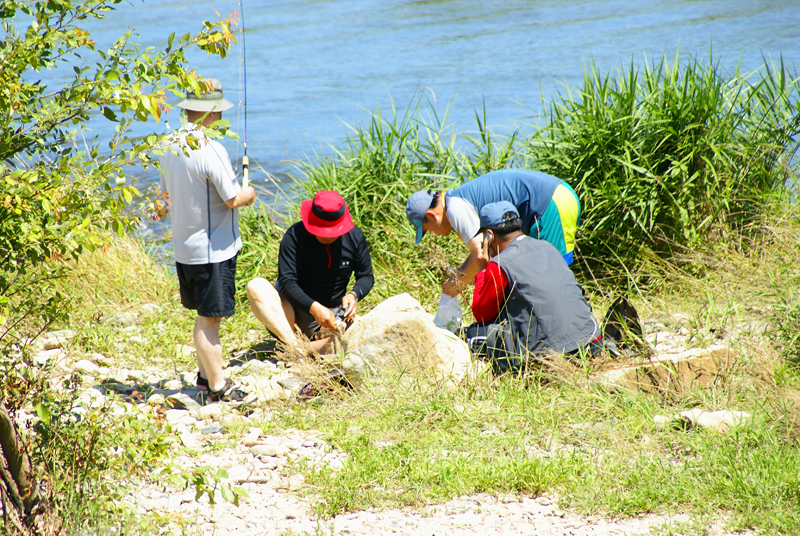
<point x="466" y="273"/>
<point x="244" y="198"/>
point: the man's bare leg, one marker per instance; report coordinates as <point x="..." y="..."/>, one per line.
<point x="209" y="350"/>
<point x="270" y="309"/>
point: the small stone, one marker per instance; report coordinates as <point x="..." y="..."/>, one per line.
<point x="122" y="320"/>
<point x="87" y="367"/>
<point x="172" y="385"/>
<point x="292" y="445"/>
<point x="211" y="429"/>
<point x="101" y="360"/>
<point x="234" y="419"/>
<point x="156" y="398"/>
<point x="119" y="375"/>
<point x="60" y="334"/>
<point x="42" y="358"/>
<point x="183" y="401"/>
<point x="269" y="450"/>
<point x="296" y="482"/>
<point x="137" y="339"/>
<point x="137" y="375"/>
<point x="189" y="440"/>
<point x="292" y="383"/>
<point x="211" y="411"/>
<point x="721" y="421"/>
<point x="175" y="415"/>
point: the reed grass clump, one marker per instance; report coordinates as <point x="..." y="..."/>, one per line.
<point x="663" y="155"/>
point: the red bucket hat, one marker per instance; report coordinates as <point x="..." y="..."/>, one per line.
<point x="326" y="215"/>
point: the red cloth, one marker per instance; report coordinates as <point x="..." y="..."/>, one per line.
<point x="490" y="293"/>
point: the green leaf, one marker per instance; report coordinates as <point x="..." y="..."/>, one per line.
<point x="42" y="412"/>
<point x="109" y="113"/>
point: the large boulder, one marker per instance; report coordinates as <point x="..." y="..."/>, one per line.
<point x="399" y="335"/>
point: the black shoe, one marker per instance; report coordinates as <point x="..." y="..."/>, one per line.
<point x="229" y="393"/>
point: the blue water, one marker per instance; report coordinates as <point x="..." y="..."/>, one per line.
<point x="313" y="66"/>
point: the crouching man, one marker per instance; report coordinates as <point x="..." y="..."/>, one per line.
<point x="526" y="301"/>
<point x="316" y="259"/>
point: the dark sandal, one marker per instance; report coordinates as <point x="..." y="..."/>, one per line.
<point x="229" y="393"/>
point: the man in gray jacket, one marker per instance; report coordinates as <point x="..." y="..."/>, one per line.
<point x="526" y="301"/>
<point x="204" y="196"/>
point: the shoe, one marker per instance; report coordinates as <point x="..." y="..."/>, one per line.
<point x="229" y="393"/>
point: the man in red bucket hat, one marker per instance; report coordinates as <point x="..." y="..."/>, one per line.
<point x="317" y="256"/>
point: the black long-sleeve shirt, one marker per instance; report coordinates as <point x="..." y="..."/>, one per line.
<point x="310" y="271"/>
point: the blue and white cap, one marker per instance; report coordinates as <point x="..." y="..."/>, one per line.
<point x="416" y="207"/>
<point x="492" y="214"/>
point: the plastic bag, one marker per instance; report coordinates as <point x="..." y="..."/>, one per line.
<point x="449" y="314"/>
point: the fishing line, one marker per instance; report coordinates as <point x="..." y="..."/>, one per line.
<point x="243" y="62"/>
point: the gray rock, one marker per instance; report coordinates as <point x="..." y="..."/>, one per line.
<point x="211" y="429"/>
<point x="399" y="334"/>
<point x="292" y="383"/>
<point x="122" y="320"/>
<point x="138" y="339"/>
<point x="183" y="401"/>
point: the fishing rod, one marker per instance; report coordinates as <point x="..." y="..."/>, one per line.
<point x="243" y="61"/>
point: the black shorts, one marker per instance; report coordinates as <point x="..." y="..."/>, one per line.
<point x="305" y="320"/>
<point x="209" y="288"/>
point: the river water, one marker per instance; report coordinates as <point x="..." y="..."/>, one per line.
<point x="314" y="66"/>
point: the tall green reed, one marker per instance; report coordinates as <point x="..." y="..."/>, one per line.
<point x="660" y="156"/>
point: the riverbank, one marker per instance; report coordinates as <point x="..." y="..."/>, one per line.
<point x="490" y="452"/>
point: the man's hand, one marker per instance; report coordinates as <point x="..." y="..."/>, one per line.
<point x="350" y="302"/>
<point x="245" y="197"/>
<point x="453" y="285"/>
<point x="323" y="316"/>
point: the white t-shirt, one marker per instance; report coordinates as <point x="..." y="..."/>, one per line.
<point x="463" y="216"/>
<point x="204" y="229"/>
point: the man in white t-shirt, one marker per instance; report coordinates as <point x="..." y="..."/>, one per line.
<point x="204" y="195"/>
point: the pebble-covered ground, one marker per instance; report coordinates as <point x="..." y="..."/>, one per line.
<point x="278" y="501"/>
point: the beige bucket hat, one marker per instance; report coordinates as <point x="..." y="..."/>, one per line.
<point x="208" y="101"/>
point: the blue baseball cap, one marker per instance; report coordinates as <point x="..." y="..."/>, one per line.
<point x="416" y="207"/>
<point x="492" y="214"/>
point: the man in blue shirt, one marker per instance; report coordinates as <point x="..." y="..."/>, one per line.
<point x="548" y="207"/>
